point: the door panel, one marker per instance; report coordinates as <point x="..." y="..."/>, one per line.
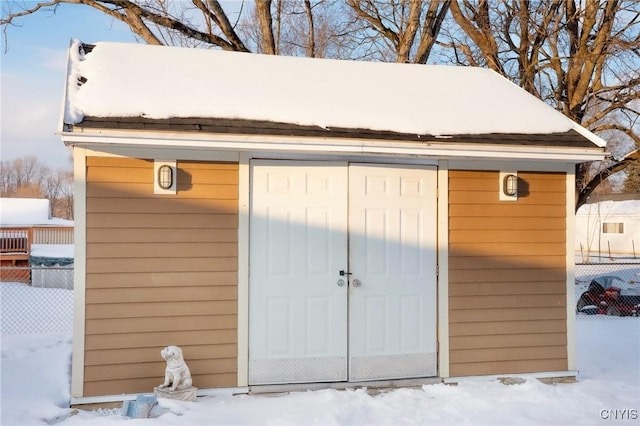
<point x="298" y="240"/>
<point x="304" y="327"/>
<point x="392" y="249"/>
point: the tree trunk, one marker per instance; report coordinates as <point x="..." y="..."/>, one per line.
<point x="263" y="10"/>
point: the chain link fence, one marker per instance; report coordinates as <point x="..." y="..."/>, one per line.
<point x="36" y="300"/>
<point x="608" y="289"/>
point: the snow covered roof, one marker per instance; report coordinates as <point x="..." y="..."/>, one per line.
<point x="28" y="211"/>
<point x="158" y="82"/>
<point x="611" y="208"/>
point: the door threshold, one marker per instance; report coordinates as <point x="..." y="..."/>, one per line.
<point x="374" y="384"/>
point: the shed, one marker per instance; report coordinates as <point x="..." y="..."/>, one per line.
<point x="295" y="222"/>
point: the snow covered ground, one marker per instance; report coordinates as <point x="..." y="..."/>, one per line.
<point x="35" y="375"/>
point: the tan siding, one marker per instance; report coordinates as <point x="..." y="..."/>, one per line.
<point x="507" y="354"/>
<point x="113" y="387"/>
<point x="173" y="309"/>
<point x="515" y="340"/>
<point x="117" y="221"/>
<point x="166" y="264"/>
<point x="140" y="175"/>
<point x="506" y="223"/>
<point x="513" y="210"/>
<point x="164" y="279"/>
<point x="165" y="294"/>
<point x="153" y="205"/>
<point x="507" y="272"/>
<point x="157" y="339"/>
<point x="145" y="191"/>
<point x="497" y="301"/>
<point x="537" y="261"/>
<point x="506" y="236"/>
<point x="161" y="270"/>
<point x="507" y="275"/>
<point x="516" y="314"/>
<point x="149" y="369"/>
<point x="137" y="355"/>
<point x="519" y="285"/>
<point x="487" y="328"/>
<point x="523" y="248"/>
<point x="160" y="235"/>
<point x="480" y="198"/>
<point x="520" y="366"/>
<point x="153" y="249"/>
<point x="174" y="323"/>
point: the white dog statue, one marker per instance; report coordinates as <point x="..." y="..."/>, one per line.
<point x="177" y="375"/>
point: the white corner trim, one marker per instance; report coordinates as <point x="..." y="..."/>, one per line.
<point x="243" y="269"/>
<point x="571" y="272"/>
<point x="443" y="269"/>
<point x="79" y="272"/>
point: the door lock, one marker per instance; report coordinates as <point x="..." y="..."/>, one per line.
<point x="357" y="283"/>
<point x="340" y="283"/>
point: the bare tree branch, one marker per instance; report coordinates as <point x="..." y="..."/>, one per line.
<point x="134" y="16"/>
<point x="399" y="25"/>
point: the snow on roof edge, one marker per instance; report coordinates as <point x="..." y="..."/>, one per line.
<point x="28" y="212"/>
<point x="589" y="135"/>
<point x="610" y="208"/>
<point x="597" y="140"/>
<point x="535" y="116"/>
<point x="73" y="75"/>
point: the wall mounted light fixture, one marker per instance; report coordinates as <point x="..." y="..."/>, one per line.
<point x="508" y="186"/>
<point x="165" y="176"/>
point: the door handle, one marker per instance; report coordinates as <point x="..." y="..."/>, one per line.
<point x="343" y="273"/>
<point x="357" y="283"/>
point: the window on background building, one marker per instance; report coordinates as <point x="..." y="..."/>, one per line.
<point x="613" y="228"/>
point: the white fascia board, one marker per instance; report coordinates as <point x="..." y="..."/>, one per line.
<point x="432" y="148"/>
<point x="63" y="106"/>
<point x="589" y="135"/>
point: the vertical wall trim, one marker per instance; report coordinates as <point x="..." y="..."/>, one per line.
<point x="79" y="272"/>
<point x="243" y="269"/>
<point x="443" y="268"/>
<point x="571" y="272"/>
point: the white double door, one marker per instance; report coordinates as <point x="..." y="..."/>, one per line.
<point x="342" y="272"/>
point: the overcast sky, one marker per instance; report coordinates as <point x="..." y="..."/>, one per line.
<point x="33" y="72"/>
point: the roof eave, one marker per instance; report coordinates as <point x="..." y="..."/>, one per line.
<point x="590" y="135"/>
<point x="435" y="148"/>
